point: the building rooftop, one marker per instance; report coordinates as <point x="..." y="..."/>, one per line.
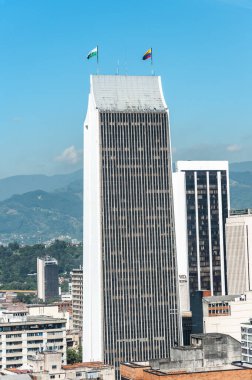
<point x="242" y="212"/>
<point x="32" y="319"/>
<point x="201" y="165"/>
<point x="86" y="365"/>
<point x="208" y="335"/>
<point x="127" y="93"/>
<point x="222" y="298"/>
<point x="16" y="376"/>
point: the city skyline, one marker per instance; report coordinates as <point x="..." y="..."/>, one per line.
<point x="201" y="49"/>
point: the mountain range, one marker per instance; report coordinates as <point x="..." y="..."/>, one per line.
<point x="37" y="208"/>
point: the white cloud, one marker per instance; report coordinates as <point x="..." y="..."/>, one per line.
<point x="70" y="155"/>
<point x="233" y="148"/>
<point x="173" y="149"/>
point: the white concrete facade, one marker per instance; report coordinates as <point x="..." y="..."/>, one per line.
<point x="179" y="198"/>
<point x="239" y="253"/>
<point x="92" y="261"/>
<point x="239" y="311"/>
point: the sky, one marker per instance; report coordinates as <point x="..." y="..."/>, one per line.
<point x="202" y="49"/>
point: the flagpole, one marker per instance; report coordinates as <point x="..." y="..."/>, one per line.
<point x="97" y="60"/>
<point x="152" y="71"/>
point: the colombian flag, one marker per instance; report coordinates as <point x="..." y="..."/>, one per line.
<point x="148" y="54"/>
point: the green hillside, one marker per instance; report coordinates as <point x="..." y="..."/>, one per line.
<point x="18" y="265"/>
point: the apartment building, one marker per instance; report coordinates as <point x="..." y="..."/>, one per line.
<point x="246" y="341"/>
<point x="77" y="298"/>
<point x="21" y="335"/>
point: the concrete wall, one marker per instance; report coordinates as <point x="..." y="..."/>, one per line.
<point x="241" y="312"/>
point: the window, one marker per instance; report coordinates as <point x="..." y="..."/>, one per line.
<point x="52" y="377"/>
<point x="54" y="367"/>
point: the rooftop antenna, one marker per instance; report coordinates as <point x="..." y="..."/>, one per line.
<point x="152" y="70"/>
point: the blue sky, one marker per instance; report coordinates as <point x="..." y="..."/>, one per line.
<point x="201" y="48"/>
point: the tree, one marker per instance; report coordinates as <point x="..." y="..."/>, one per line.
<point x="73" y="356"/>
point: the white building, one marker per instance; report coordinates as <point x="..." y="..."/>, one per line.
<point x="201" y="193"/>
<point x="239" y="251"/>
<point x="130" y="295"/>
<point x="246" y="341"/>
<point x="21" y="335"/>
<point x="224" y="314"/>
<point x="180" y="213"/>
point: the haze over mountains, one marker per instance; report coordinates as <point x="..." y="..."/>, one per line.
<point x="36" y="208"/>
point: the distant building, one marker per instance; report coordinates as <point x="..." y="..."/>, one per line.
<point x="203" y="199"/>
<point x="21" y="335"/>
<point x="77" y="298"/>
<point x="239" y="251"/>
<point x="246" y="341"/>
<point x="47" y="278"/>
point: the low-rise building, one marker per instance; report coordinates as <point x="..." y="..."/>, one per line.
<point x="47" y="365"/>
<point x="224" y="314"/>
<point x="210" y="356"/>
<point x="89" y="370"/>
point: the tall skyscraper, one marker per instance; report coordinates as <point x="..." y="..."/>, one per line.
<point x="205" y="189"/>
<point x="239" y="251"/>
<point x="47" y="278"/>
<point x="130" y="306"/>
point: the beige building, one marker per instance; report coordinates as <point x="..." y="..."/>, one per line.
<point x="224" y="314"/>
<point x="77" y="298"/>
<point x="47" y="365"/>
<point x="51" y="311"/>
<point x="239" y="251"/>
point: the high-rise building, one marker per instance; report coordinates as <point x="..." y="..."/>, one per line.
<point x="204" y="188"/>
<point x="77" y="298"/>
<point x="131" y="309"/>
<point x="239" y="251"/>
<point x="47" y="278"/>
